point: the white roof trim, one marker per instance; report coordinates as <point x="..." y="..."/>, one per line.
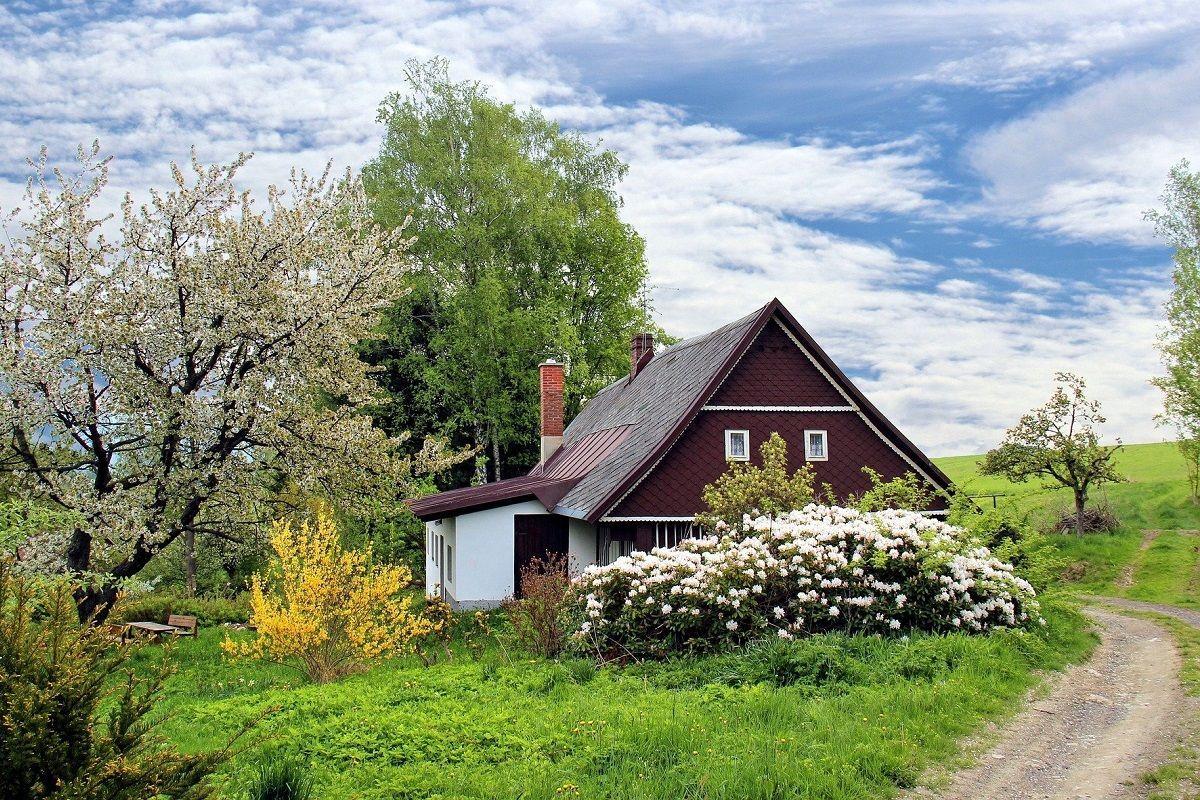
<point x="647" y="519"/>
<point x="778" y="408"/>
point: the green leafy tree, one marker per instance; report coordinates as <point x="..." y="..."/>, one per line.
<point x="1178" y="222"/>
<point x="747" y="488"/>
<point x="525" y="255"/>
<point x="56" y="678"/>
<point x="1059" y="442"/>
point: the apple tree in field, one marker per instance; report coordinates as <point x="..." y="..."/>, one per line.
<point x="1059" y="442"/>
<point x="162" y="374"/>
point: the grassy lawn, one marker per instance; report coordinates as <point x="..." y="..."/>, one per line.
<point x="1154" y="498"/>
<point x="830" y="717"/>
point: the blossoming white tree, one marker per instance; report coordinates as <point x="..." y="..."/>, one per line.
<point x="157" y="384"/>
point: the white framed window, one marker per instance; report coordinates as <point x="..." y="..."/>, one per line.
<point x="816" y="446"/>
<point x="737" y="445"/>
<point x="449" y="563"/>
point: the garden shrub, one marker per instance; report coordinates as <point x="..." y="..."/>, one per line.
<point x="75" y="723"/>
<point x="906" y="491"/>
<point x="329" y="612"/>
<point x="1013" y="538"/>
<point x="750" y="489"/>
<point x="537" y="618"/>
<point x="815" y="570"/>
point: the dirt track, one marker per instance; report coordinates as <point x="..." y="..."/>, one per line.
<point x="1100" y="728"/>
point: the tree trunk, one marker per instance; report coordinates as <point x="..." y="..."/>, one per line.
<point x="189" y="562"/>
<point x="94" y="604"/>
<point x="1080" y="502"/>
<point x="495" y="460"/>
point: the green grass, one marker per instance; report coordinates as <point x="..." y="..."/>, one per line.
<point x="694" y="728"/>
<point x="872" y="717"/>
<point x="1154" y="497"/>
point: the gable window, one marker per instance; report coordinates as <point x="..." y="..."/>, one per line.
<point x="737" y="445"/>
<point x="816" y="446"/>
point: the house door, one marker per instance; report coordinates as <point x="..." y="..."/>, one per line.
<point x="536" y="536"/>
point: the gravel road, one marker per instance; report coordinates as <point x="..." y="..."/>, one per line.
<point x="1102" y="725"/>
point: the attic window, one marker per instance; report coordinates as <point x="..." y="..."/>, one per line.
<point x="816" y="446"/>
<point x="737" y="445"/>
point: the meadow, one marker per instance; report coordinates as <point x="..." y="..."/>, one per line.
<point x="831" y="716"/>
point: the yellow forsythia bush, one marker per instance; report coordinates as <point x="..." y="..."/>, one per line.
<point x="327" y="610"/>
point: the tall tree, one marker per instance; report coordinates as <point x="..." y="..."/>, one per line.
<point x="517" y="225"/>
<point x="1178" y="222"/>
<point x="158" y="386"/>
<point x="1058" y="441"/>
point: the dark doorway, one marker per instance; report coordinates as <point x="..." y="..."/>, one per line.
<point x="536" y="536"/>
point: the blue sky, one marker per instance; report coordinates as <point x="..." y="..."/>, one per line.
<point x="948" y="195"/>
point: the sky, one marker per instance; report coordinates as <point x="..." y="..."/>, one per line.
<point x="947" y="195"/>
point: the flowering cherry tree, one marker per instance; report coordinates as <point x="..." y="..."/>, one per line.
<point x="814" y="570"/>
<point x="162" y="372"/>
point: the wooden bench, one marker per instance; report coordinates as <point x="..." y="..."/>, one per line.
<point x="184" y="625"/>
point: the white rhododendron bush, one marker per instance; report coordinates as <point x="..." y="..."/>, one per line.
<point x="810" y="571"/>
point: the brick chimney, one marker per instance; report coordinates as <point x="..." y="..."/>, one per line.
<point x="641" y="350"/>
<point x="552" y="406"/>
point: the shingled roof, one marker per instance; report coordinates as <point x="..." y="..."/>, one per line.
<point x="622" y="432"/>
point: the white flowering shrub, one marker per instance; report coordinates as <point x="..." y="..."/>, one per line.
<point x="810" y="571"/>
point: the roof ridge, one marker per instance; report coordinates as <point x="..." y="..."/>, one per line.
<point x="703" y="337"/>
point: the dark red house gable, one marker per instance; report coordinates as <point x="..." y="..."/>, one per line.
<point x="674" y="488"/>
<point x="774" y="372"/>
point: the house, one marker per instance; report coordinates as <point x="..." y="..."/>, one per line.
<point x="629" y="470"/>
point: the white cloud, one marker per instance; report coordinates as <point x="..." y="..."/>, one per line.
<point x="953" y="363"/>
<point x="1087" y="166"/>
<point x="1054" y="41"/>
<point x="730" y="220"/>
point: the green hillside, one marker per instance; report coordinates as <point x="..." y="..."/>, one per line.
<point x="1162" y="565"/>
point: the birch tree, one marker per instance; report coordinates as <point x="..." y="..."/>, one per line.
<point x="1178" y="222"/>
<point x="525" y="257"/>
<point x="162" y="372"/>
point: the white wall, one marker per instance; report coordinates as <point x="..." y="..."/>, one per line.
<point x="446" y="529"/>
<point x="581" y="544"/>
<point x="483" y="552"/>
